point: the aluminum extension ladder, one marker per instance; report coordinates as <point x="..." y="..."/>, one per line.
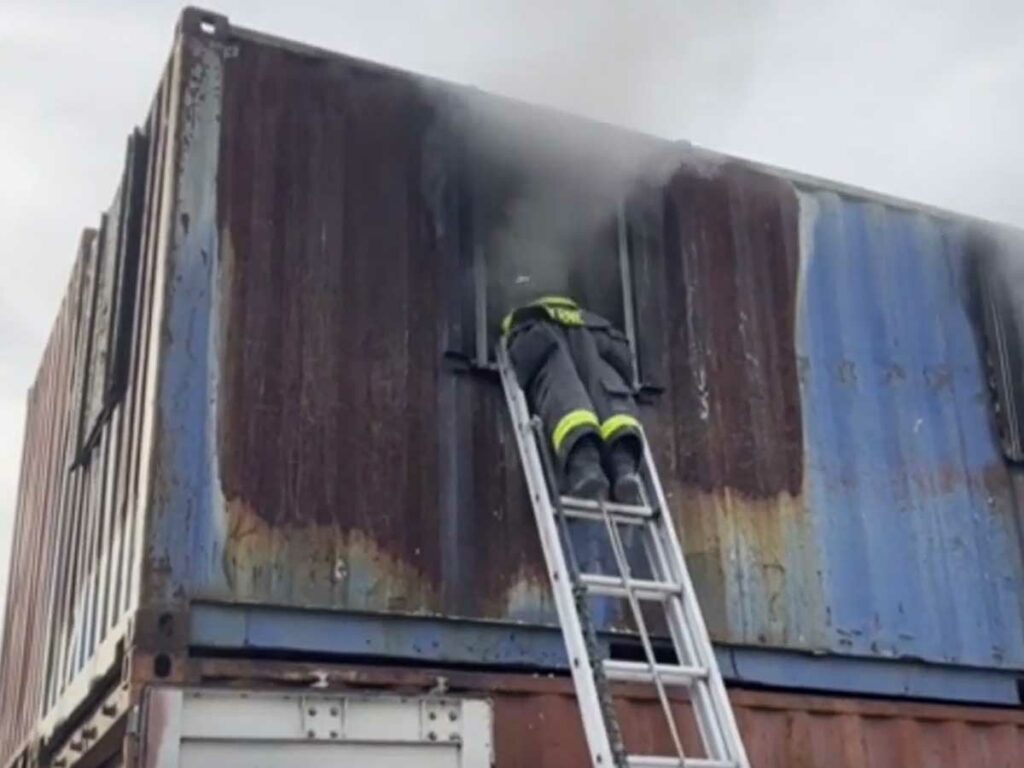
<point x="669" y="584"/>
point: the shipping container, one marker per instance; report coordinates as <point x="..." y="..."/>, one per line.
<point x="385" y="716"/>
<point x="267" y="431"/>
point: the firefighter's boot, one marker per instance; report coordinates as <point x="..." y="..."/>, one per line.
<point x="584" y="478"/>
<point x="622" y="469"/>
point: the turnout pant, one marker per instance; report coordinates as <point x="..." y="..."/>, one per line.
<point x="576" y="378"/>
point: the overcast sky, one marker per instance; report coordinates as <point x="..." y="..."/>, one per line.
<point x="923" y="100"/>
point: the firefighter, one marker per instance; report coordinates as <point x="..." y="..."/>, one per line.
<point x="575" y="368"/>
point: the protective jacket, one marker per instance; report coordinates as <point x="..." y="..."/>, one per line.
<point x="575" y="368"/>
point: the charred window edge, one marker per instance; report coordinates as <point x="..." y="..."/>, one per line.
<point x="997" y="272"/>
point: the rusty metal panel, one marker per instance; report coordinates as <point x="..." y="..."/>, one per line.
<point x="73" y="583"/>
<point x="779" y="731"/>
<point x="728" y="430"/>
<point x="782" y="731"/>
<point x="317" y="451"/>
<point x="392" y="480"/>
<point x="833" y="460"/>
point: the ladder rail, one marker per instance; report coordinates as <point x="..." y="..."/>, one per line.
<point x="634" y="605"/>
<point x="595" y="729"/>
<point x="687" y="651"/>
<point x="683" y="643"/>
<point x="580" y="597"/>
<point x="722" y="713"/>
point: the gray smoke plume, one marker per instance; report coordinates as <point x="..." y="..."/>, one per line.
<point x="547" y="192"/>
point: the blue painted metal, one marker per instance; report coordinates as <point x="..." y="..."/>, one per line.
<point x="913" y="505"/>
<point x="426" y="640"/>
<point x="868" y="676"/>
<point x="224" y="626"/>
<point x="183" y="527"/>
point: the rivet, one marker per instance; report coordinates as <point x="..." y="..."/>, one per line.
<point x="454" y="737"/>
<point x="312" y="710"/>
<point x="432" y="715"/>
<point x="89" y="733"/>
<point x="432" y="736"/>
<point x="109" y="709"/>
<point x="334" y="734"/>
<point x="310" y="734"/>
<point x="453" y="715"/>
<point x="334" y="711"/>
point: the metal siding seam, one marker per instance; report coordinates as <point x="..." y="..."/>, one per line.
<point x="140" y="453"/>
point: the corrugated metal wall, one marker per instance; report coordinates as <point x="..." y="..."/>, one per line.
<point x="834" y="459"/>
<point x="916" y="520"/>
<point x="45" y="458"/>
<point x="729" y="424"/>
<point x="541" y="729"/>
<point x="824" y="431"/>
<point x="339" y="442"/>
<point x="74" y="559"/>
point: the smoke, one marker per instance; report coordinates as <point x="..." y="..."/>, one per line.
<point x="547" y="191"/>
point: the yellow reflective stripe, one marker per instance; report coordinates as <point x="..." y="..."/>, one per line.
<point x="565" y="316"/>
<point x="620" y="421"/>
<point x="560" y="309"/>
<point x="556" y="301"/>
<point x="569" y="422"/>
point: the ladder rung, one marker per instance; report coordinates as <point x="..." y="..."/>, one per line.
<point x="640" y="672"/>
<point x="657" y="761"/>
<point x="591" y="510"/>
<point x="614" y="586"/>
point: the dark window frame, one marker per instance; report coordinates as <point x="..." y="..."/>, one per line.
<point x="103" y="382"/>
<point x="483" y="331"/>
